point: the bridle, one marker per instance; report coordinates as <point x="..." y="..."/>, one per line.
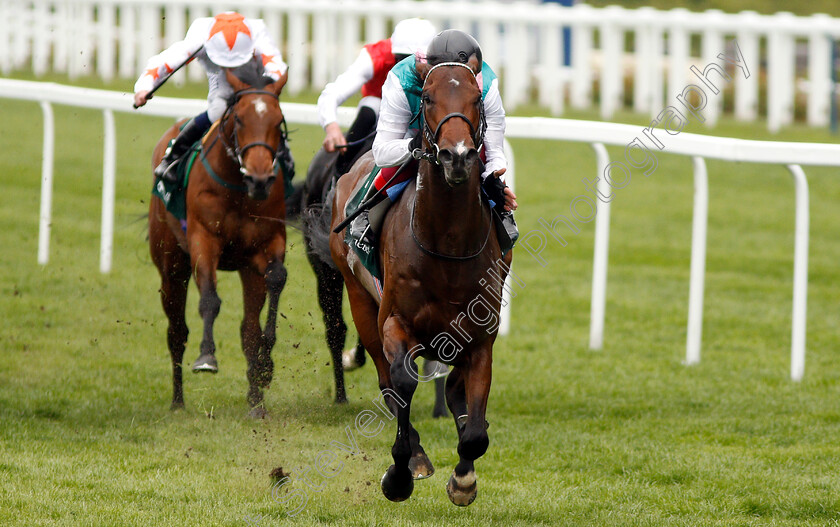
<point x="235" y="152"/>
<point x="431" y="155"/>
<point x="431" y="136"/>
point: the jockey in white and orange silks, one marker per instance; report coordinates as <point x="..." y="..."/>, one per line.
<point x="227" y="40"/>
<point x="367" y="74"/>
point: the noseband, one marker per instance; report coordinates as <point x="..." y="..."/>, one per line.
<point x="477" y="133"/>
<point x="236" y="152"/>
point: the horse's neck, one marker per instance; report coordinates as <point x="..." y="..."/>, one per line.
<point x="449" y="220"/>
<point x="220" y="160"/>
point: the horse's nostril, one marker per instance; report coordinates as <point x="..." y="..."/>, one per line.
<point x="445" y="156"/>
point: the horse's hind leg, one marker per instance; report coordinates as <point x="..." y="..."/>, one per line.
<point x="173" y="296"/>
<point x="330" y="288"/>
<point x="253" y="293"/>
<point x="174" y="267"/>
<point x="472" y="434"/>
<point x="275" y="281"/>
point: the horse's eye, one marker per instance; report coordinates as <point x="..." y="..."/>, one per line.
<point x="427" y="99"/>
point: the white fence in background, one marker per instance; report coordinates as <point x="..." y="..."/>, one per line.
<point x="319" y="38"/>
<point x="597" y="134"/>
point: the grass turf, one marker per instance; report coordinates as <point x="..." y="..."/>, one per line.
<point x="624" y="436"/>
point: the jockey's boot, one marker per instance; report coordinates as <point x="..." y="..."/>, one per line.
<point x="360" y="227"/>
<point x="510" y="226"/>
<point x="190" y="133"/>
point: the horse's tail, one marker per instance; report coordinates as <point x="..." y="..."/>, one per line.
<point x="316" y="219"/>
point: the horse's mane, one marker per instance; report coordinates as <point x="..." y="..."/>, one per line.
<point x="252" y="73"/>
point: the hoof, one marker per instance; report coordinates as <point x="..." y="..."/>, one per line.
<point x="440" y="412"/>
<point x="348" y="360"/>
<point x="205" y="363"/>
<point x="258" y="412"/>
<point x="397" y="485"/>
<point x="176" y="406"/>
<point x="421" y="467"/>
<point x="462" y="489"/>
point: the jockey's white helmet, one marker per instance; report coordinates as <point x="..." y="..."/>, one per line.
<point x="412" y="36"/>
<point x="230" y="42"/>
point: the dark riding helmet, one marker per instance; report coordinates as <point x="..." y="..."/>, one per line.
<point x="453" y="45"/>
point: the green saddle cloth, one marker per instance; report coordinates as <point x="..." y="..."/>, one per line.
<point x="174" y="193"/>
<point x="370" y="260"/>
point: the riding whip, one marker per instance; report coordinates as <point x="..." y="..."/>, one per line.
<point x="171" y="73"/>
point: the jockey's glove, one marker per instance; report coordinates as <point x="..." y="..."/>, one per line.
<point x="416" y="143"/>
<point x="494" y="187"/>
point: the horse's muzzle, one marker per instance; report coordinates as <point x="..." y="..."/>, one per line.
<point x="457" y="166"/>
<point x="259" y="188"/>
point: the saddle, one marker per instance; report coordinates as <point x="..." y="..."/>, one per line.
<point x="369" y="255"/>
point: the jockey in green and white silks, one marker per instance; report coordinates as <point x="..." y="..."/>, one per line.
<point x="398" y="133"/>
<point x="401" y="102"/>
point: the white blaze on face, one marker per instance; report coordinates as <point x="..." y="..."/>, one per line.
<point x="260" y="107"/>
<point x="460" y="148"/>
<point x="454" y="82"/>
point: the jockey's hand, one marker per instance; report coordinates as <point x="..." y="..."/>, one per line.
<point x="334" y="137"/>
<point x="510" y="197"/>
<point x="141" y="97"/>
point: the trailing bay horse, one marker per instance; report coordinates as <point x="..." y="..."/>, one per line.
<point x="235" y="222"/>
<point x="438" y="249"/>
<point x="315" y="203"/>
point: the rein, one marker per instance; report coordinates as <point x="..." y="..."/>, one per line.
<point x="447" y="256"/>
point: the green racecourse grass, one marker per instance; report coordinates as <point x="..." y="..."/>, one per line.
<point x="624" y="436"/>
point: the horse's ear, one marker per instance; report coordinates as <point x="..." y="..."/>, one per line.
<point x="277" y="86"/>
<point x="422" y="68"/>
<point x="474" y="64"/>
<point x="234" y="81"/>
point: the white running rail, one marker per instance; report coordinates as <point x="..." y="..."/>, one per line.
<point x="597" y="134"/>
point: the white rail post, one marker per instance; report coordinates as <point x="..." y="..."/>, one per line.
<point x="600" y="257"/>
<point x="504" y="313"/>
<point x="712" y="46"/>
<point x="657" y="71"/>
<point x="746" y="89"/>
<point x="581" y="89"/>
<point x="297" y="61"/>
<point x="643" y="61"/>
<point x="678" y="50"/>
<point x="551" y="79"/>
<point x="108" y="193"/>
<point x="800" y="275"/>
<point x="127" y="32"/>
<point x="41" y="35"/>
<point x="819" y="72"/>
<point x="698" y="262"/>
<point x="47" y="155"/>
<point x="612" y="50"/>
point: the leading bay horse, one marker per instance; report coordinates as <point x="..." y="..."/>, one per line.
<point x="235" y="222"/>
<point x="438" y="249"/>
<point x="315" y="203"/>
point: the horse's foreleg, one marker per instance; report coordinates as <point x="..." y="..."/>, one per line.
<point x="253" y="295"/>
<point x="473" y="439"/>
<point x="398" y="482"/>
<point x="205" y="257"/>
<point x="330" y="288"/>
